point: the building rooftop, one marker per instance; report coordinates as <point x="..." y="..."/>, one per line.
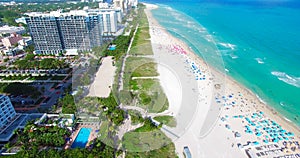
<point x="59" y="13"/>
<point x="11" y="29"/>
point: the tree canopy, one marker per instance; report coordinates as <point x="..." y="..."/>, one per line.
<point x="68" y="104"/>
<point x="48" y="63"/>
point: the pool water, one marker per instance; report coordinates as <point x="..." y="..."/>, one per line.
<point x="82" y="138"/>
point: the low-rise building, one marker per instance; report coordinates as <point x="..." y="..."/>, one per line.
<point x="11" y="40"/>
<point x="11" y="29"/>
<point x="61" y="120"/>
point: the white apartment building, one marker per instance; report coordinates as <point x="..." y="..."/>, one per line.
<point x="109" y="20"/>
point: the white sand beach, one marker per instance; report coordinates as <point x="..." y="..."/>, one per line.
<point x="216" y="116"/>
<point x="104" y="79"/>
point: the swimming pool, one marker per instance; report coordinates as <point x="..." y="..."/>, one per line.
<point x="82" y="138"/>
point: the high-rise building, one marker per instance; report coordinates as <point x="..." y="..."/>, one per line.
<point x="7" y="111"/>
<point x="109" y="21"/>
<point x="55" y="32"/>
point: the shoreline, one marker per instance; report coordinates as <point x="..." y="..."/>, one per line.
<point x="270" y="108"/>
<point x="230" y="85"/>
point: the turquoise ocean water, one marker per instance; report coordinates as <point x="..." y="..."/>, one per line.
<point x="255" y="42"/>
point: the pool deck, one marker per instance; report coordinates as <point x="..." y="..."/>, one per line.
<point x="93" y="134"/>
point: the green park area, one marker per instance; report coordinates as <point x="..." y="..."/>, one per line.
<point x="166" y="120"/>
<point x="149" y="95"/>
<point x="142" y="44"/>
<point x="148" y="141"/>
<point x="19" y="89"/>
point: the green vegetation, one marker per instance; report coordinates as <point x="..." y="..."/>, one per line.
<point x="167" y="120"/>
<point x="148" y="69"/>
<point x="148" y="126"/>
<point x="136" y="117"/>
<point x="34" y="137"/>
<point x="30" y="77"/>
<point x="19" y="89"/>
<point x="107" y="133"/>
<point x="29" y="49"/>
<point x="122" y="43"/>
<point x="38" y="77"/>
<point x="150" y="95"/>
<point x="68" y="104"/>
<point x="107" y="107"/>
<point x="138" y="67"/>
<point x="19" y="77"/>
<point x="142" y="44"/>
<point x="147" y="141"/>
<point x="166" y="151"/>
<point x="111" y="109"/>
<point x="8" y="16"/>
<point x="49" y="63"/>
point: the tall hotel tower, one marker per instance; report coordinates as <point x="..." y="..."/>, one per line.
<point x="55" y="32"/>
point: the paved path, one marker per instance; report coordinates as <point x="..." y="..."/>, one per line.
<point x="124" y="61"/>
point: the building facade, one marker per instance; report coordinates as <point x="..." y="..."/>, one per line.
<point x="109" y="21"/>
<point x="7" y="111"/>
<point x="55" y="32"/>
<point x="45" y="34"/>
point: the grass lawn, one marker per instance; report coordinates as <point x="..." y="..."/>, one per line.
<point x="104" y="133"/>
<point x="148" y="141"/>
<point x="166" y="120"/>
<point x="163" y="152"/>
<point x="135" y="65"/>
<point x="150" y="95"/>
<point x="142" y="44"/>
<point x="144" y="48"/>
<point x="136" y="117"/>
<point x="148" y="69"/>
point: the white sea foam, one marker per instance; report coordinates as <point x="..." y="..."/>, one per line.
<point x="289" y="79"/>
<point x="282" y="104"/>
<point x="260" y="99"/>
<point x="259" y="60"/>
<point x="233" y="56"/>
<point x="228" y="45"/>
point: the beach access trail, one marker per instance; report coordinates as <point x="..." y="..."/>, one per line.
<point x="124" y="60"/>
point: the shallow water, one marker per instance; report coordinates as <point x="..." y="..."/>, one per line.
<point x="257" y="43"/>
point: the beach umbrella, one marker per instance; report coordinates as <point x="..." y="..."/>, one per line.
<point x="237" y="134"/>
<point x="261" y="112"/>
<point x="255" y="143"/>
